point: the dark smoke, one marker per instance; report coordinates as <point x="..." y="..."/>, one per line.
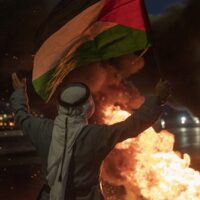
<point x="107" y="81"/>
<point x="177" y="36"/>
<point x="177" y="43"/>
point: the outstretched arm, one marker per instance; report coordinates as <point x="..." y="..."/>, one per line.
<point x="38" y="129"/>
<point x="142" y="119"/>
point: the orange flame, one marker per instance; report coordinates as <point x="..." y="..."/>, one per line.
<point x="146" y="167"/>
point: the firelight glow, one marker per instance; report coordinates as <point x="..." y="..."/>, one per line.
<point x="147" y="167"/>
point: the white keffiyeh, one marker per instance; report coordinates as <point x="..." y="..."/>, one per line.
<point x="69" y="121"/>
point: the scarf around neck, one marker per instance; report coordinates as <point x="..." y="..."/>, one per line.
<point x="67" y="127"/>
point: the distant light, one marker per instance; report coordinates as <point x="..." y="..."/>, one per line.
<point x="162" y="123"/>
<point x="15" y="57"/>
<point x="196" y="119"/>
<point x="1" y="123"/>
<point x="11" y="188"/>
<point x="5" y="115"/>
<point x="1" y="118"/>
<point x="183" y="120"/>
<point x="11" y="124"/>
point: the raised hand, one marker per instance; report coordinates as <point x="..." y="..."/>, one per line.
<point x="17" y="82"/>
<point x="163" y="90"/>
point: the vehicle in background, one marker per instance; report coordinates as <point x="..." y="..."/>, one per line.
<point x="173" y="117"/>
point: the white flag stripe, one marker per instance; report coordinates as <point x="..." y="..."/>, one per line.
<point x="56" y="45"/>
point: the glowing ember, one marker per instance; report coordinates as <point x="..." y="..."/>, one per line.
<point x="113" y="114"/>
<point x="147" y="168"/>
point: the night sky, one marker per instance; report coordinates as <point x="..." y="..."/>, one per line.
<point x="176" y="32"/>
<point x="158" y="7"/>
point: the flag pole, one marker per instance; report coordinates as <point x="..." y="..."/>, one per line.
<point x="155" y="55"/>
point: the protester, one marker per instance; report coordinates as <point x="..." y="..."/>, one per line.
<point x="72" y="150"/>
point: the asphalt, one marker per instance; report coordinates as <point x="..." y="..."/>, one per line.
<point x="20" y="172"/>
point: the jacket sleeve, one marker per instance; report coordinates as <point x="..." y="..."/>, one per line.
<point x="109" y="135"/>
<point x="39" y="130"/>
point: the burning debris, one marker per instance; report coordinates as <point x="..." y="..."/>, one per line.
<point x="147" y="168"/>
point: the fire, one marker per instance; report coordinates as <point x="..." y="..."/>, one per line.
<point x="147" y="168"/>
<point x="113" y="114"/>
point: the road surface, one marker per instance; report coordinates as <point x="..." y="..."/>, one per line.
<point x="20" y="174"/>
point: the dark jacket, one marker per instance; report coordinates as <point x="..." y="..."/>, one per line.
<point x="91" y="147"/>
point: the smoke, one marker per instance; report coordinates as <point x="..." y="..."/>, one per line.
<point x="177" y="37"/>
<point x="107" y="81"/>
<point x="177" y="44"/>
<point x="175" y="55"/>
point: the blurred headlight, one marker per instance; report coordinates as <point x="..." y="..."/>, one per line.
<point x="162" y="123"/>
<point x="196" y="119"/>
<point x="183" y="120"/>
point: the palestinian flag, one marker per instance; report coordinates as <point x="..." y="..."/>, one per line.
<point x="79" y="32"/>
